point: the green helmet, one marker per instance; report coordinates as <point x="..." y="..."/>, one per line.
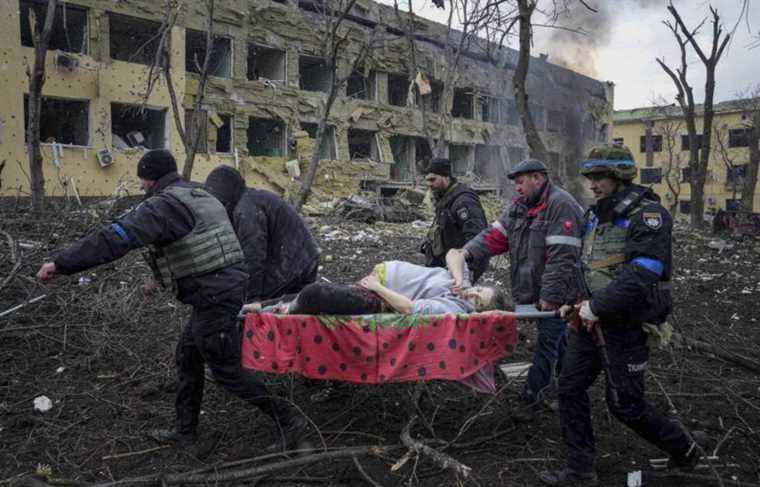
<point x="615" y="160"/>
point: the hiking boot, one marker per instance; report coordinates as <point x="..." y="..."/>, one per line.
<point x="687" y="462"/>
<point x="568" y="476"/>
<point x="290" y="435"/>
<point x="179" y="440"/>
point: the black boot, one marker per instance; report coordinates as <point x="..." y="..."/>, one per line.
<point x="180" y="440"/>
<point x="686" y="462"/>
<point x="289" y="433"/>
<point x="568" y="476"/>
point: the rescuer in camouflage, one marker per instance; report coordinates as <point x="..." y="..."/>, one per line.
<point x="627" y="265"/>
<point x="192" y="249"/>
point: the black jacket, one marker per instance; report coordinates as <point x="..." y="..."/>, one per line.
<point x="278" y="246"/>
<point x="633" y="296"/>
<point x="160" y="220"/>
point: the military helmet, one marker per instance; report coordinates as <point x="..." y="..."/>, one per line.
<point x="615" y="160"/>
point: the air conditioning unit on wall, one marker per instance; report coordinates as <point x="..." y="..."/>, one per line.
<point x="105" y="158"/>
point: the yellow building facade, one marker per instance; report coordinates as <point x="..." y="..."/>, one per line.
<point x="665" y="168"/>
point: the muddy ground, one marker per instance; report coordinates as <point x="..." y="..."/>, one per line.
<point x="103" y="354"/>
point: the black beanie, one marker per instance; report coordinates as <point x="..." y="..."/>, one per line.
<point x="226" y="184"/>
<point x="156" y="163"/>
<point x="440" y="166"/>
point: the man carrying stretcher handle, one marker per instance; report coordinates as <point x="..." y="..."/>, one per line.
<point x="393" y="286"/>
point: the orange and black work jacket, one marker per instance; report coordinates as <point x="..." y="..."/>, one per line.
<point x="543" y="238"/>
<point x="159" y="222"/>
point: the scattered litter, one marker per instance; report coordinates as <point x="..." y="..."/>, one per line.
<point x="60" y="369"/>
<point x="634" y="479"/>
<point x="84" y="280"/>
<point x="43" y="404"/>
<point x="518" y="369"/>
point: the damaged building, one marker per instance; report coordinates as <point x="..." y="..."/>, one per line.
<point x="268" y="82"/>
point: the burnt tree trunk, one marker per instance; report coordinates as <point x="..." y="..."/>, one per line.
<point x="36" y="82"/>
<point x="532" y="137"/>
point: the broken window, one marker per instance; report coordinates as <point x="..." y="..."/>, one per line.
<point x="200" y="132"/>
<point x="618" y="141"/>
<point x="656" y="143"/>
<point x="69" y="32"/>
<point x="132" y="126"/>
<point x="223" y="125"/>
<point x="360" y="86"/>
<point x="362" y="144"/>
<point x="62" y="121"/>
<point x="422" y="152"/>
<point x="266" y="137"/>
<point x="410" y="154"/>
<point x="328" y="150"/>
<point x="686" y="174"/>
<point x="462" y="104"/>
<point x="314" y="74"/>
<point x="133" y="39"/>
<point x="398" y="88"/>
<point x="267" y="63"/>
<point x="738" y="137"/>
<point x="651" y="175"/>
<point x="459" y="155"/>
<point x="490" y="110"/>
<point x="554" y="123"/>
<point x="685" y="142"/>
<point x="220" y="63"/>
<point x="684" y="206"/>
<point x="432" y="101"/>
<point x="487" y="161"/>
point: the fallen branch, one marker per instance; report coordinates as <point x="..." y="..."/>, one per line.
<point x="135" y="453"/>
<point x="681" y="341"/>
<point x="443" y="460"/>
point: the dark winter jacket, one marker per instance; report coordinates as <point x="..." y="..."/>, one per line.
<point x="459" y="217"/>
<point x="159" y="219"/>
<point x="278" y="246"/>
<point x="640" y="288"/>
<point x="543" y="238"/>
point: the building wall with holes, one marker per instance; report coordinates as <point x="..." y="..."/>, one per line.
<point x="257" y="121"/>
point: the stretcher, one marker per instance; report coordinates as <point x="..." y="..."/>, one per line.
<point x="382" y="348"/>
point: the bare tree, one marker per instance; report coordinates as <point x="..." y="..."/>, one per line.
<point x="334" y="40"/>
<point x="669" y="129"/>
<point x="192" y="133"/>
<point x="699" y="158"/>
<point x="36" y="82"/>
<point x="526" y="8"/>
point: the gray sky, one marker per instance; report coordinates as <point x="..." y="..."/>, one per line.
<point x="625" y="51"/>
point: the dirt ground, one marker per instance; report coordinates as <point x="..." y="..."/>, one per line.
<point x="103" y="354"/>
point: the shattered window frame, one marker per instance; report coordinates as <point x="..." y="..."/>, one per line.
<point x="685" y="141"/>
<point x="455" y="150"/>
<point x="274" y="150"/>
<point x="195" y="44"/>
<point x="650" y="175"/>
<point x="656" y="143"/>
<point x="52" y="124"/>
<point x="738" y="138"/>
<point x="228" y="120"/>
<point x="463" y="103"/>
<point x="60" y="37"/>
<point x="398" y="80"/>
<point x="268" y="52"/>
<point x="328" y="151"/>
<point x="146" y="45"/>
<point x="374" y="147"/>
<point x="685" y="174"/>
<point x="320" y="85"/>
<point x="370" y="85"/>
<point x="156" y="138"/>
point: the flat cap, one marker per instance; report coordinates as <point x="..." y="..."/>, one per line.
<point x="528" y="165"/>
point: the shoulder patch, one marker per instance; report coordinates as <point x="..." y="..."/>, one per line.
<point x="652" y="219"/>
<point x="463" y="214"/>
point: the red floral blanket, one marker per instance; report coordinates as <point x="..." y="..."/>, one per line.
<point x="372" y="349"/>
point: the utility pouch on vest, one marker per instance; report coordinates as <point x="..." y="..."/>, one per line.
<point x="658" y="335"/>
<point x="435" y="240"/>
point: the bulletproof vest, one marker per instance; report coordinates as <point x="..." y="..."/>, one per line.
<point x="211" y="244"/>
<point x="436" y="236"/>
